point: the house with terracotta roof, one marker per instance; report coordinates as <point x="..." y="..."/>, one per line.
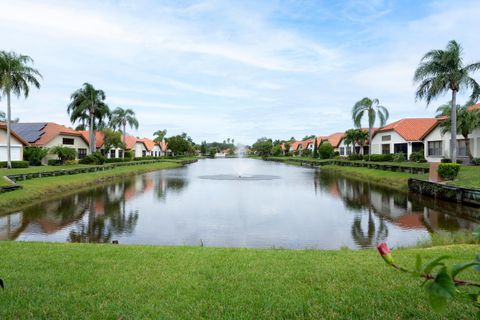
<point x="155" y="149"/>
<point x="334" y="139"/>
<point x="17" y="143"/>
<point x="402" y="136"/>
<point x="346" y="150"/>
<point x="437" y="144"/>
<point x="49" y="135"/>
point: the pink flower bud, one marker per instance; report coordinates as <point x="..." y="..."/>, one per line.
<point x="385" y="252"/>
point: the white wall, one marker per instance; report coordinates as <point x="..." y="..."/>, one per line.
<point x="138" y="148"/>
<point x="16" y="150"/>
<point x="436" y="135"/>
<point x="156" y="151"/>
<point x="78" y="143"/>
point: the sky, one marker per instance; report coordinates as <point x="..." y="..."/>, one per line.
<point x="234" y="69"/>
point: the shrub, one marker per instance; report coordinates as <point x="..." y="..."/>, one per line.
<point x="325" y="150"/>
<point x="34" y="155"/>
<point x="129" y="155"/>
<point x="306" y="153"/>
<point x="448" y="171"/>
<point x="418" y="157"/>
<point x="379" y="157"/>
<point x="54" y="162"/>
<point x="15" y="164"/>
<point x="64" y="153"/>
<point x="446" y="160"/>
<point x="94" y="158"/>
<point x="399" y="157"/>
<point x="70" y="162"/>
<point x="336" y="154"/>
<point x="355" y="157"/>
<point x="113" y="160"/>
<point x="476" y="161"/>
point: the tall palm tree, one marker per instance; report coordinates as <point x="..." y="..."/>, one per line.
<point x="350" y="138"/>
<point x="159" y="135"/>
<point x="121" y="118"/>
<point x="3" y="117"/>
<point x="372" y="108"/>
<point x="16" y="76"/>
<point x="89" y="103"/>
<point x="441" y="71"/>
<point x="467" y="121"/>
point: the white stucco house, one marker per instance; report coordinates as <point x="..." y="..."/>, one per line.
<point x="17" y="144"/>
<point x="402" y="136"/>
<point x="49" y="135"/>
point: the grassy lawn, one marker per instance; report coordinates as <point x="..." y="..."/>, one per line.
<point x="468" y="177"/>
<point x="389" y="179"/>
<point x="82" y="281"/>
<point x="41" y="188"/>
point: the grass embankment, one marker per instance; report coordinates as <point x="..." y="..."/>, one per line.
<point x="42" y="188"/>
<point x="468" y="177"/>
<point x="81" y="281"/>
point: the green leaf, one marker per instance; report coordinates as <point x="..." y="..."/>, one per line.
<point x="433" y="263"/>
<point x="418" y="263"/>
<point x="456" y="269"/>
<point x="441" y="289"/>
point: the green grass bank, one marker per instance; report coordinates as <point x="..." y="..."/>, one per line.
<point x="85" y="281"/>
<point x="43" y="188"/>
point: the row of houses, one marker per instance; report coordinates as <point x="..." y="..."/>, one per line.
<point x="50" y="134"/>
<point x="405" y="136"/>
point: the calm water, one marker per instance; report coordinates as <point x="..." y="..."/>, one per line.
<point x="292" y="207"/>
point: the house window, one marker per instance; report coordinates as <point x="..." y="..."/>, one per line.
<point x="434" y="148"/>
<point x="462" y="148"/>
<point x="112" y="153"/>
<point x="68" y="141"/>
<point x="120" y="153"/>
<point x="386" y="148"/>
<point x="349" y="151"/>
<point x="144" y="153"/>
<point x="82" y="153"/>
<point x="342" y="151"/>
<point x="386" y="138"/>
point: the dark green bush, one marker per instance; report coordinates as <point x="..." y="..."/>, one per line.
<point x="94" y="158"/>
<point x="448" y="171"/>
<point x="476" y="161"/>
<point x="399" y="157"/>
<point x="418" y="157"/>
<point x="15" y="164"/>
<point x="114" y="160"/>
<point x="54" y="162"/>
<point x="34" y="155"/>
<point x="64" y="153"/>
<point x="129" y="155"/>
<point x="325" y="150"/>
<point x="306" y="153"/>
<point x="355" y="157"/>
<point x="379" y="157"/>
<point x="446" y="160"/>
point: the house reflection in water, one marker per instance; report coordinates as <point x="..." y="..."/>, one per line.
<point x="92" y="216"/>
<point x="378" y="205"/>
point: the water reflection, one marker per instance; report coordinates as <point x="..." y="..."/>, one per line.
<point x="96" y="215"/>
<point x="304" y="208"/>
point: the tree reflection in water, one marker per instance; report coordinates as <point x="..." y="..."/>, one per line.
<point x="382" y="207"/>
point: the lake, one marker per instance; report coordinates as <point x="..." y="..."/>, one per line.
<point x="239" y="203"/>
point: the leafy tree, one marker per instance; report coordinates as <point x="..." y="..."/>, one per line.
<point x="64" y="153"/>
<point x="467" y="121"/>
<point x="89" y="103"/>
<point x="325" y="150"/>
<point x="212" y="151"/>
<point x="179" y="145"/>
<point x="277" y="150"/>
<point x="34" y="155"/>
<point x="309" y="137"/>
<point x="112" y="140"/>
<point x="441" y="71"/>
<point x="159" y="135"/>
<point x="263" y="147"/>
<point x="350" y="138"/>
<point x="203" y="148"/>
<point x="16" y="76"/>
<point x="120" y="119"/>
<point x="372" y="108"/>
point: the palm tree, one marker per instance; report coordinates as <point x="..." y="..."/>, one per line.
<point x="3" y="117"/>
<point x="350" y="138"/>
<point x="15" y="77"/>
<point x="361" y="138"/>
<point x="467" y="121"/>
<point x="441" y="71"/>
<point x="159" y="135"/>
<point x="120" y="119"/>
<point x="88" y="103"/>
<point x="373" y="109"/>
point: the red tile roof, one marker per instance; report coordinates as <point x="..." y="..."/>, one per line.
<point x="98" y="137"/>
<point x="474" y="107"/>
<point x="335" y="138"/>
<point x="411" y="129"/>
<point x="52" y="130"/>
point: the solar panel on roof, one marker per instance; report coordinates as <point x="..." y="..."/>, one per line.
<point x="30" y="132"/>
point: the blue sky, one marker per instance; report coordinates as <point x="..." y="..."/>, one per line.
<point x="234" y="69"/>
